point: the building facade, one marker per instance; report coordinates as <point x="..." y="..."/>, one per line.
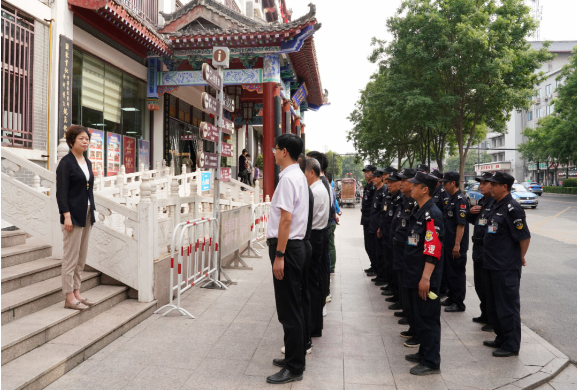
<point x="503" y="147"/>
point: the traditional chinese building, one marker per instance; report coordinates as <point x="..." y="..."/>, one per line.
<point x="133" y="77"/>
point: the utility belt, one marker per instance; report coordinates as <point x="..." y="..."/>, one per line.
<point x="477" y="240"/>
<point x="398" y="243"/>
<point x="274" y="241"/>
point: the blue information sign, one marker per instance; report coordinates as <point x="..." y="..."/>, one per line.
<point x="205" y="181"/>
<point x="300" y="95"/>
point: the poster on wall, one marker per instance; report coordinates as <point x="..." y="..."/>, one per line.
<point x="129" y="144"/>
<point x="144" y="153"/>
<point x="96" y="150"/>
<point x="113" y="154"/>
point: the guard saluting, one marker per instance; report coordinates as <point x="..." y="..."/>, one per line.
<point x="456" y="242"/>
<point x="506" y="243"/>
<point x="478" y="217"/>
<point x="366" y="206"/>
<point x="423" y="274"/>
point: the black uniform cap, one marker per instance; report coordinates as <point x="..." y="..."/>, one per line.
<point x="407" y="173"/>
<point x="394" y="176"/>
<point x="437" y="173"/>
<point x="424" y="178"/>
<point x="484" y="176"/>
<point x="451" y="176"/>
<point x="369" y="168"/>
<point x="378" y="172"/>
<point x="389" y="170"/>
<point x="423" y="168"/>
<point x="501" y="178"/>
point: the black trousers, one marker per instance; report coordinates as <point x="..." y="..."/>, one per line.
<point x="428" y="328"/>
<point x="305" y="293"/>
<point x="369" y="245"/>
<point x="388" y="263"/>
<point x="479" y="276"/>
<point x="379" y="255"/>
<point x="504" y="307"/>
<point x="316" y="279"/>
<point x="287" y="293"/>
<point x="407" y="302"/>
<point x="456" y="279"/>
<point x="327" y="264"/>
<point x="398" y="255"/>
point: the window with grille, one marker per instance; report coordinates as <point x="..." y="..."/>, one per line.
<point x="17" y="63"/>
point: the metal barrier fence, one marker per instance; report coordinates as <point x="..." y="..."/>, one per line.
<point x="258" y="228"/>
<point x="192" y="242"/>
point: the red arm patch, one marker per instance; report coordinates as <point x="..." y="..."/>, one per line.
<point x="433" y="245"/>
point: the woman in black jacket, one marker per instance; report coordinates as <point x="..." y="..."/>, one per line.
<point x="75" y="197"/>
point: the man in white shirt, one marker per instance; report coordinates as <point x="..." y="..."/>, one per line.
<point x="321" y="207"/>
<point x="286" y="230"/>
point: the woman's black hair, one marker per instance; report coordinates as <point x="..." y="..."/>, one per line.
<point x="73" y="132"/>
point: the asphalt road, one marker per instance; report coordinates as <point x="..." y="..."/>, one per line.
<point x="549" y="281"/>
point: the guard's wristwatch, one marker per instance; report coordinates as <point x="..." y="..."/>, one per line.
<point x="279" y="254"/>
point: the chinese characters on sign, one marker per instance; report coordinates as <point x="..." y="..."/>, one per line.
<point x="300" y="95"/>
<point x="210" y="104"/>
<point x="210" y="75"/>
<point x="225" y="174"/>
<point x="227" y="126"/>
<point x="205" y="181"/>
<point x="208" y="160"/>
<point x="64" y="86"/>
<point x="208" y="132"/>
<point x="129" y="154"/>
<point x="96" y="150"/>
<point x="144" y="153"/>
<point x="226" y="149"/>
<point x="113" y="155"/>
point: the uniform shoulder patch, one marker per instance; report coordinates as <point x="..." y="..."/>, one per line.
<point x="459" y="197"/>
<point x="462" y="213"/>
<point x="518" y="224"/>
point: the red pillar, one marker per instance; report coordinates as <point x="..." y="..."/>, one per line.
<point x="296" y="122"/>
<point x="268" y="139"/>
<point x="286" y="107"/>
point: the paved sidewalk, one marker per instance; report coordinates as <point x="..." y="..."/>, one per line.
<point x="236" y="334"/>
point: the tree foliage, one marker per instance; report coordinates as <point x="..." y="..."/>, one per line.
<point x="453" y="68"/>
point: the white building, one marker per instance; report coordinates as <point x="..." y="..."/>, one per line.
<point x="503" y="147"/>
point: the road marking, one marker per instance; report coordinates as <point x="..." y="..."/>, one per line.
<point x="550" y="218"/>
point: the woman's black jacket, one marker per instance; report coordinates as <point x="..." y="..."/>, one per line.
<point x="73" y="191"/>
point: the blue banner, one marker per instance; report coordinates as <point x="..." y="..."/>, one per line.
<point x="205" y="181"/>
<point x="300" y="94"/>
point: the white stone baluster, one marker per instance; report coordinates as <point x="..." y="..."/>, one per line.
<point x="141" y="167"/>
<point x="267" y="199"/>
<point x="36" y="183"/>
<point x="256" y="198"/>
<point x="172" y="166"/>
<point x="120" y="181"/>
<point x="145" y="190"/>
<point x="62" y="149"/>
<point x="157" y="169"/>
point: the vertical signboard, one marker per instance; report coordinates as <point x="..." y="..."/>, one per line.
<point x="96" y="150"/>
<point x="144" y="153"/>
<point x="129" y="144"/>
<point x="113" y="154"/>
<point x="205" y="181"/>
<point x="64" y="86"/>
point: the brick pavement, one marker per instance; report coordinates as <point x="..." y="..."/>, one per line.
<point x="236" y="334"/>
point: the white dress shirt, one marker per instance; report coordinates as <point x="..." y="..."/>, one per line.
<point x="291" y="195"/>
<point x="321" y="205"/>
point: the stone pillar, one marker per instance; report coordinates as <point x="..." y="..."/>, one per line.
<point x="286" y="117"/>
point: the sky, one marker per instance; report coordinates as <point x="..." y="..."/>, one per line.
<point x="343" y="45"/>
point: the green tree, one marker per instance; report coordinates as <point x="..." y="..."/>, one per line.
<point x="353" y="165"/>
<point x="337" y="170"/>
<point x="454" y="162"/>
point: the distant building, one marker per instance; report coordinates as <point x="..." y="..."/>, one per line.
<point x="503" y="147"/>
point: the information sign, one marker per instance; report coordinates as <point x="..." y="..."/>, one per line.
<point x="225" y="174"/>
<point x="210" y="104"/>
<point x="129" y="144"/>
<point x="205" y="181"/>
<point x="208" y="160"/>
<point x="144" y="153"/>
<point x="208" y="132"/>
<point x="228" y="102"/>
<point x="300" y="95"/>
<point x="210" y="75"/>
<point x="226" y="149"/>
<point x="227" y="126"/>
<point x="113" y="155"/>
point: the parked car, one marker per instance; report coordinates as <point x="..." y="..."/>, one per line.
<point x="535" y="188"/>
<point x="523" y="196"/>
<point x="473" y="194"/>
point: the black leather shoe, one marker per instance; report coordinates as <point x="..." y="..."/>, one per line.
<point x="370" y="269"/>
<point x="387" y="293"/>
<point x="395" y="306"/>
<point x="412" y="343"/>
<point x="372" y="273"/>
<point x="284" y="376"/>
<point x="454" y="308"/>
<point x="419" y="369"/>
<point x="386" y="287"/>
<point x="447" y="302"/>
<point x="487" y="328"/>
<point x="391" y="299"/>
<point x="503" y="353"/>
<point x="413" y="357"/>
<point x="491" y="344"/>
<point x="406" y="334"/>
<point x="403" y="321"/>
<point x="374" y="279"/>
<point x="480" y="320"/>
<point x="400" y="314"/>
<point x="380" y="283"/>
<point x="279" y="362"/>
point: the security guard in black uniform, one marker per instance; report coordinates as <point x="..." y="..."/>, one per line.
<point x="477" y="216"/>
<point x="366" y="206"/>
<point x="423" y="274"/>
<point x="423" y="168"/>
<point x="440" y="194"/>
<point x="506" y="243"/>
<point x="374" y="220"/>
<point x="399" y="236"/>
<point x="392" y="197"/>
<point x="456" y="242"/>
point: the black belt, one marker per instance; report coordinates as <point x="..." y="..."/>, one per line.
<point x="274" y="241"/>
<point x="477" y="240"/>
<point x="398" y="243"/>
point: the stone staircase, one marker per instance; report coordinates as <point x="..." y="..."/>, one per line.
<point x="41" y="340"/>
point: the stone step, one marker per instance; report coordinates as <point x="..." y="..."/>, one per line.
<point x="25" y="274"/>
<point x="30" y="299"/>
<point x="31" y="250"/>
<point x="43" y="365"/>
<point x="23" y="335"/>
<point x="13" y="238"/>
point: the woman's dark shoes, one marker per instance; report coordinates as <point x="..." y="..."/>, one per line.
<point x="503" y="353"/>
<point x="284" y="376"/>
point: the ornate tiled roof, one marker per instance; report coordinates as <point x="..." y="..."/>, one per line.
<point x="214" y="6"/>
<point x="305" y="64"/>
<point x="272" y="28"/>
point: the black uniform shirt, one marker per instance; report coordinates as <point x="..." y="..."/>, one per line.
<point x="506" y="226"/>
<point x="397" y="217"/>
<point x="479" y="222"/>
<point x="378" y="201"/>
<point x="367" y="203"/>
<point x="455" y="213"/>
<point x="388" y="212"/>
<point x="439" y="197"/>
<point x="404" y="210"/>
<point x="414" y="257"/>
